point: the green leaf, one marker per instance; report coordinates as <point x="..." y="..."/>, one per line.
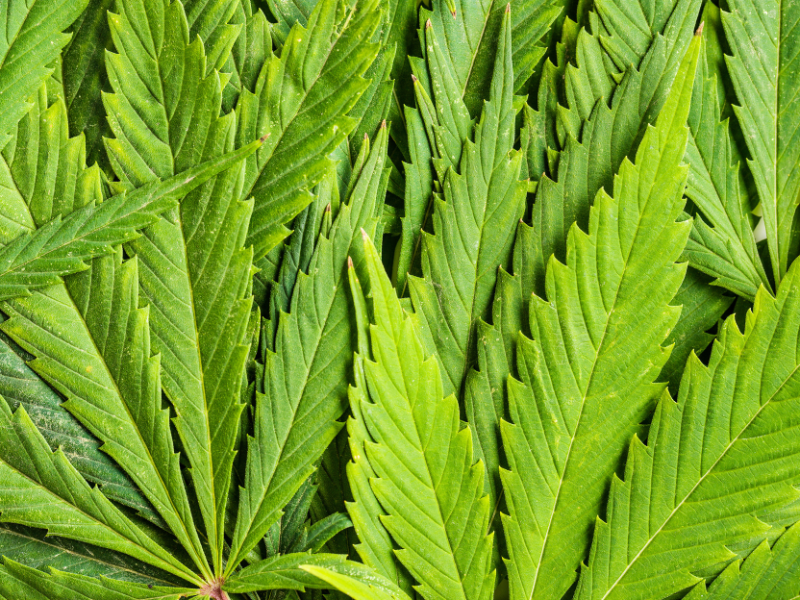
<point x="300" y="101"/>
<point x="92" y="343"/>
<point x="766" y="574"/>
<point x="607" y="312"/>
<point x="59" y="585"/>
<point x="426" y="482"/>
<point x="725" y="248"/>
<point x="305" y="376"/>
<point x="281" y="573"/>
<point x="42" y="489"/>
<point x="702" y="306"/>
<point x="195" y="263"/>
<point x="40" y="551"/>
<point x="719" y="472"/>
<point x="32" y="39"/>
<point x="59" y="248"/>
<point x="357" y="581"/>
<point x="83" y="75"/>
<point x="474" y="221"/>
<point x="469" y="38"/>
<point x="19" y="385"/>
<point x="765" y="40"/>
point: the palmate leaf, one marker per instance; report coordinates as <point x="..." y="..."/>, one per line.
<point x="765" y="40"/>
<point x="720" y="470"/>
<point x="768" y="573"/>
<point x="92" y="343"/>
<point x="426" y="481"/>
<point x="301" y="100"/>
<point x="32" y="38"/>
<point x="195" y="269"/>
<point x="305" y="376"/>
<point x="607" y="311"/>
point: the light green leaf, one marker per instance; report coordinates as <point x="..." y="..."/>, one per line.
<point x="281" y="573"/>
<point x="358" y="582"/>
<point x="305" y="376"/>
<point x="607" y="313"/>
<point x="427" y="483"/>
<point x="300" y="101"/>
<point x="32" y="39"/>
<point x="765" y="40"/>
<point x="719" y="472"/>
<point x="767" y="574"/>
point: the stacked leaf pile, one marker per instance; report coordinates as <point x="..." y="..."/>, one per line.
<point x="399" y="299"/>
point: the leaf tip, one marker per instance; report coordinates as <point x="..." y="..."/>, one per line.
<point x="428" y="24"/>
<point x="414" y="78"/>
<point x="508" y="8"/>
<point x="383" y="123"/>
<point x="264" y="137"/>
<point x="364" y="235"/>
<point x="699" y="31"/>
<point x="349" y="263"/>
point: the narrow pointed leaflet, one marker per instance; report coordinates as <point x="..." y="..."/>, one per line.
<point x="764" y="36"/>
<point x="720" y="471"/>
<point x="306" y="374"/>
<point x="426" y="479"/>
<point x="607" y="312"/>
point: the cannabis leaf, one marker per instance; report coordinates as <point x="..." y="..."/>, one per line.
<point x="426" y="481"/>
<point x="731" y="418"/>
<point x="763" y="69"/>
<point x="607" y="312"/>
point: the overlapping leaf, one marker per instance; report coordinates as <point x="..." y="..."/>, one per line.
<point x="607" y="312"/>
<point x="720" y="470"/>
<point x="764" y="38"/>
<point x="426" y="481"/>
<point x="306" y="375"/>
<point x="301" y="100"/>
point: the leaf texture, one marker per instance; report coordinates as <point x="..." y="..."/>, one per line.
<point x="301" y="101"/>
<point x="765" y="42"/>
<point x="426" y="481"/>
<point x="766" y="573"/>
<point x="305" y="376"/>
<point x="607" y="312"/>
<point x="719" y="472"/>
<point x="32" y="39"/>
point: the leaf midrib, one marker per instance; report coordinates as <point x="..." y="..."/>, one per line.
<point x="722" y="455"/>
<point x="589" y="382"/>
